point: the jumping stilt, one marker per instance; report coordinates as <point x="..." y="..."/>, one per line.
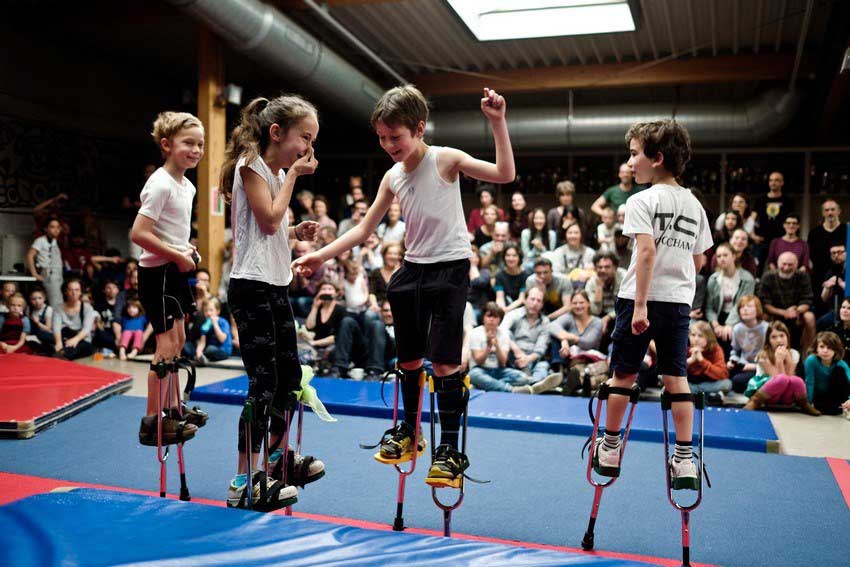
<point x="667" y="400"/>
<point x="605" y="390"/>
<point x="174" y="394"/>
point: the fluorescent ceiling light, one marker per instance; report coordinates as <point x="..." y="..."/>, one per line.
<point x="491" y="20"/>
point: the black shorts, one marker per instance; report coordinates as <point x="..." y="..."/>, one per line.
<point x="428" y="301"/>
<point x="166" y="295"/>
<point x="668" y="325"/>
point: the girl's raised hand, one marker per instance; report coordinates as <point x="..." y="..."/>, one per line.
<point x="493" y="105"/>
<point x="306" y="164"/>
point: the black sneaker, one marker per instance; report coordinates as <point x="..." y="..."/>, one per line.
<point x="447" y="469"/>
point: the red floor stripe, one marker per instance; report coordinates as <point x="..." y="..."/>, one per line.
<point x="15" y="486"/>
<point x="841" y="471"/>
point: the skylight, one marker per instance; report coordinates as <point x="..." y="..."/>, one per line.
<point x="491" y="20"/>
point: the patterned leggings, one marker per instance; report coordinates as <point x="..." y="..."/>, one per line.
<point x="269" y="350"/>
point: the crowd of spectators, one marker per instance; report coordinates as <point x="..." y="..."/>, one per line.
<point x="540" y="310"/>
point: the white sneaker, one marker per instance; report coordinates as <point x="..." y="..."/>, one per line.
<point x="684" y="474"/>
<point x="606" y="462"/>
<point x="315" y="470"/>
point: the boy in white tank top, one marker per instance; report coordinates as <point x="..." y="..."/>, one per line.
<point x="428" y="293"/>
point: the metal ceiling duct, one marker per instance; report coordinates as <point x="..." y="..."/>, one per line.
<point x="272" y="39"/>
<point x="750" y="122"/>
<point x="266" y="35"/>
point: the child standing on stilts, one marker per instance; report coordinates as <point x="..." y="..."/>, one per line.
<point x="428" y="293"/>
<point x="161" y="229"/>
<point x="671" y="232"/>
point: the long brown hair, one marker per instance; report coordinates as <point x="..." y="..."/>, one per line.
<point x="767" y="350"/>
<point x="251" y="137"/>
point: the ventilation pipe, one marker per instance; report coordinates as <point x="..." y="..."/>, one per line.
<point x="270" y="38"/>
<point x="275" y="41"/>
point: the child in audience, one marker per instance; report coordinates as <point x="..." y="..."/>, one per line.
<point x="707" y="370"/>
<point x="356" y="288"/>
<point x="775" y="381"/>
<point x="14" y="327"/>
<point x="748" y="337"/>
<point x="41" y="320"/>
<point x="133" y="323"/>
<point x="215" y="342"/>
<point x="605" y="230"/>
<point x="827" y="375"/>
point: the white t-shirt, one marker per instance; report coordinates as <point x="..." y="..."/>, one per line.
<point x="258" y="256"/>
<point x="169" y="204"/>
<point x="48" y="256"/>
<point x="389" y="233"/>
<point x="433" y="212"/>
<point x="677" y="222"/>
<point x="478" y="341"/>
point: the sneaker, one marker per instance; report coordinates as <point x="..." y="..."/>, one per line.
<point x="301" y="469"/>
<point x="277" y="495"/>
<point x="447" y="468"/>
<point x="683" y="474"/>
<point x="373" y="375"/>
<point x="714" y="399"/>
<point x="173" y="431"/>
<point x="551" y="381"/>
<point x="606" y="462"/>
<point x="397" y="445"/>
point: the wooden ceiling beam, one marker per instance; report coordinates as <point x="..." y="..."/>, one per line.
<point x="750" y="67"/>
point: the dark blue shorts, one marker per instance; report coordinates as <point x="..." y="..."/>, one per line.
<point x="668" y="325"/>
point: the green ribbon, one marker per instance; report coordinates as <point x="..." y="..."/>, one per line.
<point x="307" y="395"/>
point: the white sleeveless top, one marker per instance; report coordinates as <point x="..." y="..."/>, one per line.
<point x="433" y="212"/>
<point x="258" y="256"/>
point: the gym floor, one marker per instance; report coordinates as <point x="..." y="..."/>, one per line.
<point x="762" y="509"/>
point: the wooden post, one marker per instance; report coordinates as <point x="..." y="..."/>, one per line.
<point x="211" y="111"/>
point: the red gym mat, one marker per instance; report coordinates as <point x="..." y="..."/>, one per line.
<point x="36" y="392"/>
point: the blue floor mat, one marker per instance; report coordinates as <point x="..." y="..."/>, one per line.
<point x="727" y="428"/>
<point x="763" y="509"/>
<point x="81" y="527"/>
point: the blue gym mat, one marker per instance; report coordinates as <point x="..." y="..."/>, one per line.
<point x="763" y="509"/>
<point x="726" y="428"/>
<point x="83" y="526"/>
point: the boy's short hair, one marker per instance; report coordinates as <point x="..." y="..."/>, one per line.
<point x="490" y="188"/>
<point x="401" y="106"/>
<point x="754" y="298"/>
<point x="565" y="188"/>
<point x="667" y="137"/>
<point x="214" y="301"/>
<point x="169" y="123"/>
<point x="606" y="255"/>
<point x="17" y="296"/>
<point x="493" y="310"/>
<point x="543" y="262"/>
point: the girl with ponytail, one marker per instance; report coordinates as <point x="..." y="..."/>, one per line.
<point x="267" y="152"/>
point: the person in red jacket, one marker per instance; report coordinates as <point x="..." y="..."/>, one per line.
<point x="707" y="370"/>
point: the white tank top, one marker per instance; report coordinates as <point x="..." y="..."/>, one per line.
<point x="433" y="212"/>
<point x="258" y="256"/>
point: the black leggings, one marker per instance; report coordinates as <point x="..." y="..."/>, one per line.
<point x="269" y="350"/>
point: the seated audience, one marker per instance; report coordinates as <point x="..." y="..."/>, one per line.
<point x="14" y="327"/>
<point x="517" y="215"/>
<point x="787" y="296"/>
<point x="493" y="252"/>
<point x="529" y="332"/>
<point x="536" y="239"/>
<point x="41" y="322"/>
<point x="490" y="346"/>
<point x="789" y="242"/>
<point x="775" y="380"/>
<point x="606" y="230"/>
<point x="828" y="376"/>
<point x="707" y="370"/>
<point x="73" y="321"/>
<point x="725" y="287"/>
<point x="393" y="229"/>
<point x="602" y="288"/>
<point x="748" y="336"/>
<point x="556" y="288"/>
<point x="509" y="283"/>
<point x="484" y="232"/>
<point x="215" y="342"/>
<point x="573" y="259"/>
<point x="133" y="324"/>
